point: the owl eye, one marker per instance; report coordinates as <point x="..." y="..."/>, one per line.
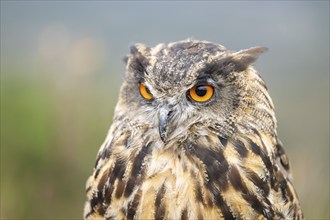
<point x="201" y="93"/>
<point x="145" y="92"/>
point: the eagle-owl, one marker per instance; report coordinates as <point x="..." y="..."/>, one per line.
<point x="193" y="137"/>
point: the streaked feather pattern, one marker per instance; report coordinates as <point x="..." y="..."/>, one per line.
<point x="229" y="168"/>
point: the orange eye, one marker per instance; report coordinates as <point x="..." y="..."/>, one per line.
<point x="201" y="93"/>
<point x="145" y="92"/>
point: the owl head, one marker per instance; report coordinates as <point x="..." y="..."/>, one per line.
<point x="192" y="87"/>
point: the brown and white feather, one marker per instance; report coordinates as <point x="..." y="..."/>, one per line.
<point x="220" y="160"/>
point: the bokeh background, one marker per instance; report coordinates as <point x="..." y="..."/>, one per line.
<point x="61" y="68"/>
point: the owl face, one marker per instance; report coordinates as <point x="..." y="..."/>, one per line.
<point x="191" y="88"/>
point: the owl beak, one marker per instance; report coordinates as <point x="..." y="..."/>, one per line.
<point x="164" y="117"/>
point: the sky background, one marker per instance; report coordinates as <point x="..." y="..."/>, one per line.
<point x="61" y="69"/>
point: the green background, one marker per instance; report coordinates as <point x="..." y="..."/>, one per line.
<point x="61" y="68"/>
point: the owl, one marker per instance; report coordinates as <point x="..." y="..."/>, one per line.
<point x="193" y="137"/>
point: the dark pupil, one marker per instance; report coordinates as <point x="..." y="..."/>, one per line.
<point x="201" y="90"/>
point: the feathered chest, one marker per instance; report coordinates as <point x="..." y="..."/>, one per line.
<point x="204" y="177"/>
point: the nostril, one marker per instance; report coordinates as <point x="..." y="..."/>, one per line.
<point x="170" y="110"/>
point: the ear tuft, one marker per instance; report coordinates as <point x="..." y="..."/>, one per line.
<point x="244" y="58"/>
<point x="138" y="48"/>
<point x="137" y="60"/>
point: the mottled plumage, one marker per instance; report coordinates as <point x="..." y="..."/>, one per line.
<point x="168" y="156"/>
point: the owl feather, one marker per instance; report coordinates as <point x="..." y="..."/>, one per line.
<point x="193" y="137"/>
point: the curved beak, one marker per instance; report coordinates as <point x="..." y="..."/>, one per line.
<point x="164" y="117"/>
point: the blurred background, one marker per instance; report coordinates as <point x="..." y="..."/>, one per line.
<point x="61" y="69"/>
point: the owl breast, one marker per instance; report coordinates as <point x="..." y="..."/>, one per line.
<point x="224" y="178"/>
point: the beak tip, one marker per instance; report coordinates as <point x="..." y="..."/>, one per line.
<point x="163" y="136"/>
